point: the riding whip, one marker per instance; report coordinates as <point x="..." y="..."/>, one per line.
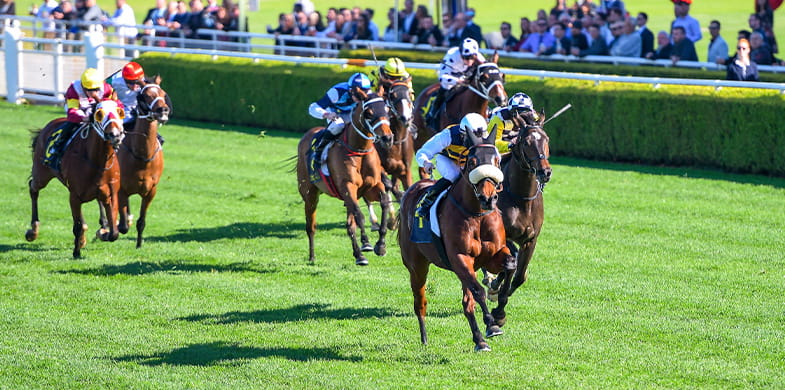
<point x="565" y="108"/>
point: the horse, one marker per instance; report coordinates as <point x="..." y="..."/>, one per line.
<point x="355" y="171"/>
<point x="473" y="236"/>
<point x="397" y="159"/>
<point x="526" y="171"/>
<point x="486" y="84"/>
<point x="89" y="170"/>
<point x="141" y="156"/>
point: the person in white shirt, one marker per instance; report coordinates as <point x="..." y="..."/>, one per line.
<point x="124" y="21"/>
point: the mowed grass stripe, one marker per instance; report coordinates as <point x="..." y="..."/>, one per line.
<point x="643" y="277"/>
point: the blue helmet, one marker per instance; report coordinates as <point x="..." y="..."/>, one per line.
<point x="360" y="80"/>
<point x="521" y="101"/>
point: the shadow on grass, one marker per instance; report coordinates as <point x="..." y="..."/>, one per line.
<point x="145" y="267"/>
<point x="220" y="352"/>
<point x="684" y="172"/>
<point x="303" y="312"/>
<point x="27" y="247"/>
<point x="241" y="230"/>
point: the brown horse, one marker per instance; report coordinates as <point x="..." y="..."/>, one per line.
<point x="526" y="171"/>
<point x="472" y="232"/>
<point x="397" y="159"/>
<point x="485" y="85"/>
<point x="141" y="156"/>
<point x="355" y="170"/>
<point x="89" y="169"/>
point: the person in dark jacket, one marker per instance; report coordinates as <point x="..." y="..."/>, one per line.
<point x="598" y="47"/>
<point x="683" y="48"/>
<point x="741" y="67"/>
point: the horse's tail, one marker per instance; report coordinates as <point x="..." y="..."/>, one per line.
<point x="291" y="163"/>
<point x="34" y="134"/>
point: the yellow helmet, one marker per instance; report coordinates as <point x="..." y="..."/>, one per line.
<point x="91" y="79"/>
<point x="394" y="67"/>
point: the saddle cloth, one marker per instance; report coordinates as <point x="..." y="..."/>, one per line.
<point x="423" y="228"/>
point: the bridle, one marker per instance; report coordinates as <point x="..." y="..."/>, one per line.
<point x="371" y="136"/>
<point x="399" y="93"/>
<point x="520" y="157"/>
<point x="475" y="186"/>
<point x="100" y="128"/>
<point x="145" y="110"/>
<point x="490" y="69"/>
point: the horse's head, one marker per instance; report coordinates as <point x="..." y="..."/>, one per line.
<point x="482" y="169"/>
<point x="108" y="122"/>
<point x="532" y="151"/>
<point x="489" y="80"/>
<point x="151" y="102"/>
<point x="399" y="101"/>
<point x="371" y="121"/>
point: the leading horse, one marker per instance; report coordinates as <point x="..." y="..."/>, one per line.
<point x="526" y="171"/>
<point x="485" y="85"/>
<point x="141" y="156"/>
<point x="472" y="233"/>
<point x="355" y="170"/>
<point x="89" y="170"/>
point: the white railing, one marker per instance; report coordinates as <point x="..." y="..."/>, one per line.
<point x="23" y="83"/>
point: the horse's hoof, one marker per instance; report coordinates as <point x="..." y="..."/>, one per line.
<point x="31" y="235"/>
<point x="361" y="261"/>
<point x="122" y="229"/>
<point x="493" y="295"/>
<point x="482" y="347"/>
<point x="366" y="247"/>
<point x="380" y="250"/>
<point x="500" y="321"/>
<point x="493" y="331"/>
<point x="101" y="234"/>
<point x="374" y="227"/>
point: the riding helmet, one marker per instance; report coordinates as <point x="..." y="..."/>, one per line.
<point x="91" y="79"/>
<point x="394" y="67"/>
<point x="360" y="80"/>
<point x="469" y="47"/>
<point x="521" y="101"/>
<point x="133" y="71"/>
<point x="475" y="123"/>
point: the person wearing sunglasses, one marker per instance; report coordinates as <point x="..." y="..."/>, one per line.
<point x="741" y="67"/>
<point x="80" y="98"/>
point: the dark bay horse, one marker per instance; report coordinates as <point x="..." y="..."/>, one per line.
<point x="472" y="232"/>
<point x="397" y="159"/>
<point x="89" y="170"/>
<point x="486" y="85"/>
<point x="526" y="171"/>
<point x="355" y="170"/>
<point x="141" y="156"/>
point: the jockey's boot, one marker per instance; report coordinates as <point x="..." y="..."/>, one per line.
<point x="160" y="139"/>
<point x="327" y="137"/>
<point x="427" y="201"/>
<point x="436" y="106"/>
<point x="55" y="147"/>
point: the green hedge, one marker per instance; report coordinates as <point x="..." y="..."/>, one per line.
<point x="561" y="66"/>
<point x="731" y="129"/>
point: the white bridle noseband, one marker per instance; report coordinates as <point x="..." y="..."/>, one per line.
<point x="149" y="106"/>
<point x="372" y="127"/>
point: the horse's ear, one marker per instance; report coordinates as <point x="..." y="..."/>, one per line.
<point x="475" y="140"/>
<point x="491" y="138"/>
<point x="157" y="79"/>
<point x="495" y="57"/>
<point x="361" y="93"/>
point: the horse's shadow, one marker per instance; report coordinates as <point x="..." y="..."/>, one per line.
<point x="220" y="352"/>
<point x="147" y="267"/>
<point x="304" y="312"/>
<point x="241" y="230"/>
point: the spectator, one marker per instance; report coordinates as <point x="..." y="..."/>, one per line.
<point x="155" y="17"/>
<point x="614" y="16"/>
<point x="305" y="6"/>
<point x="742" y="67"/>
<point x="606" y="6"/>
<point x="408" y="21"/>
<point x="371" y="25"/>
<point x="598" y="47"/>
<point x="91" y="13"/>
<point x="212" y="6"/>
<point x="315" y="24"/>
<point x="616" y="31"/>
<point x="692" y="29"/>
<point x="510" y="42"/>
<point x="744" y="34"/>
<point x="360" y="30"/>
<point x="647" y="37"/>
<point x="7" y="7"/>
<point x="757" y="26"/>
<point x="65" y="17"/>
<point x="664" y="47"/>
<point x="718" y="48"/>
<point x="348" y="22"/>
<point x="177" y="19"/>
<point x="628" y="44"/>
<point x="199" y="18"/>
<point x="473" y="30"/>
<point x="539" y="41"/>
<point x="578" y="38"/>
<point x="429" y="34"/>
<point x="44" y="13"/>
<point x="456" y="33"/>
<point x="285" y="24"/>
<point x="683" y="48"/>
<point x="760" y="52"/>
<point x="765" y="14"/>
<point x="559" y="8"/>
<point x="525" y="31"/>
<point x="124" y="22"/>
<point x="562" y="43"/>
<point x="391" y="34"/>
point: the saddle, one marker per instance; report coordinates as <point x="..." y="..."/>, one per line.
<point x="426" y="230"/>
<point x="317" y="171"/>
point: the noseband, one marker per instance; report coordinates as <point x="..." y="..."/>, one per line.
<point x="147" y="112"/>
<point x="368" y="125"/>
<point x="520" y="159"/>
<point x="394" y="98"/>
<point x="486" y="68"/>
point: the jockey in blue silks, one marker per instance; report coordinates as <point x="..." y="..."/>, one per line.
<point x="336" y="107"/>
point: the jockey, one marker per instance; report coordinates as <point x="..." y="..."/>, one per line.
<point x="392" y="71"/>
<point x="127" y="88"/>
<point x="449" y="148"/>
<point x="518" y="113"/>
<point x="80" y="98"/>
<point x="336" y="106"/>
<point x="456" y="64"/>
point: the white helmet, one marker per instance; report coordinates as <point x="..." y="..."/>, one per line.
<point x="469" y="47"/>
<point x="521" y="102"/>
<point x="475" y="123"/>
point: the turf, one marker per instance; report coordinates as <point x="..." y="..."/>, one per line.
<point x="644" y="277"/>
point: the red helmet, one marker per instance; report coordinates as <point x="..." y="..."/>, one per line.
<point x="133" y="71"/>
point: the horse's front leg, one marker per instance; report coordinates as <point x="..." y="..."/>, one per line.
<point x="107" y="197"/>
<point x="380" y="249"/>
<point x="502" y="284"/>
<point x="474" y="292"/>
<point x="79" y="227"/>
<point x="354" y="217"/>
<point x="125" y="222"/>
<point x="142" y="221"/>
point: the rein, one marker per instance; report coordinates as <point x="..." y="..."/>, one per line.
<point x="484" y="93"/>
<point x="149" y="114"/>
<point x="463" y="209"/>
<point x="519" y="160"/>
<point x="84" y="132"/>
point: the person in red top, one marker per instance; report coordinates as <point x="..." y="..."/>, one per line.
<point x="80" y="98"/>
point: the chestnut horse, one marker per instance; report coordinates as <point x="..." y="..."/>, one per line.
<point x="141" y="156"/>
<point x="88" y="168"/>
<point x="485" y="85"/>
<point x="526" y="171"/>
<point x="472" y="232"/>
<point x="355" y="170"/>
<point x="397" y="159"/>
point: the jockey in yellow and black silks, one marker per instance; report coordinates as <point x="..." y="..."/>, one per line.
<point x="519" y="107"/>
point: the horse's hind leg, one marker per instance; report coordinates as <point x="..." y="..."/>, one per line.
<point x="141" y="222"/>
<point x="79" y="226"/>
<point x="310" y="197"/>
<point x="380" y="249"/>
<point x="418" y="274"/>
<point x="32" y="233"/>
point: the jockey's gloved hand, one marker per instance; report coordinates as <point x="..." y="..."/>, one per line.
<point x="330" y="116"/>
<point x="428" y="166"/>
